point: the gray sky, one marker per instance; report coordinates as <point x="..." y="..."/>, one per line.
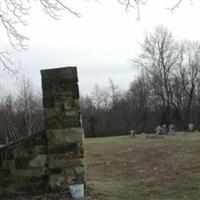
<point x="100" y="43"/>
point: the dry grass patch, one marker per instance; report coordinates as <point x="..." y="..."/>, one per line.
<point x="140" y="168"/>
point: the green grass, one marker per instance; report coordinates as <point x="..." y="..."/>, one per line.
<point x="123" y="168"/>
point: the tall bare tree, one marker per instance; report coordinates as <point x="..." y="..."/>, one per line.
<point x="158" y="61"/>
<point x="187" y="78"/>
<point x="21" y="115"/>
<point x="29" y="108"/>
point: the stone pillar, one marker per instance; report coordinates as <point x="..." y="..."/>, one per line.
<point x="63" y="127"/>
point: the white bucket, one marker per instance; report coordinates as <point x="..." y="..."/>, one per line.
<point x="77" y="191"/>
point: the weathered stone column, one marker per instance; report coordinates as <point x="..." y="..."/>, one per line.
<point x="63" y="127"/>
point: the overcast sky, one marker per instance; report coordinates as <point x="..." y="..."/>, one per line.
<point x="100" y="43"/>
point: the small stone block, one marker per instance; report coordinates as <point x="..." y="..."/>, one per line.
<point x="38" y="161"/>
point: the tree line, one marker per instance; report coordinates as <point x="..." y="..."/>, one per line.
<point x="166" y="91"/>
<point x="21" y="114"/>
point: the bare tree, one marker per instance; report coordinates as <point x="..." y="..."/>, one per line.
<point x="13" y="18"/>
<point x="114" y="92"/>
<point x="21" y="115"/>
<point x="158" y="60"/>
<point x="173" y="73"/>
<point x="29" y="108"/>
<point x="187" y="78"/>
<point x="7" y="120"/>
<point x="13" y="13"/>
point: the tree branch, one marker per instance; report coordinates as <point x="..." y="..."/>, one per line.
<point x="135" y="4"/>
<point x="12" y="18"/>
<point x="7" y="64"/>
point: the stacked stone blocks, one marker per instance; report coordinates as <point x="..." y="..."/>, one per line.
<point x="23" y="166"/>
<point x="63" y="126"/>
<point x="52" y="159"/>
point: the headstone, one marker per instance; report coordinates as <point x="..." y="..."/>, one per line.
<point x="132" y="133"/>
<point x="158" y="130"/>
<point x="191" y="127"/>
<point x="164" y="129"/>
<point x="172" y="129"/>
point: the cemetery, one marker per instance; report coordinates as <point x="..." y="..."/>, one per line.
<point x="50" y="164"/>
<point x="134" y="136"/>
<point x="140" y="168"/>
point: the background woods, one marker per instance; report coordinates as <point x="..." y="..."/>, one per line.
<point x="22" y="114"/>
<point x="167" y="90"/>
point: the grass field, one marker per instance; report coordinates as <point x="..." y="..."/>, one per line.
<point x="123" y="168"/>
